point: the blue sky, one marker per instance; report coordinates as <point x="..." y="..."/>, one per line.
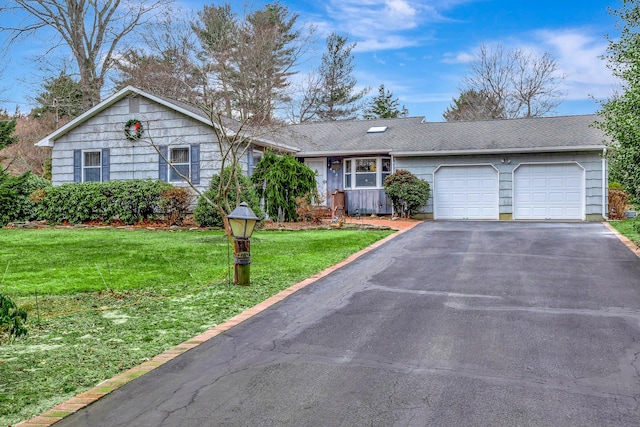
<point x="420" y="49"/>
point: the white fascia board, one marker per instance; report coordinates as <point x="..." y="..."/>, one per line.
<point x="496" y="151"/>
<point x="341" y="153"/>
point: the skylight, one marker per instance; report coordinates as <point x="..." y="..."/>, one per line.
<point x="377" y="129"/>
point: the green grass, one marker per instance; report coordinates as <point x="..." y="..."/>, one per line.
<point x="101" y="301"/>
<point x="627" y="229"/>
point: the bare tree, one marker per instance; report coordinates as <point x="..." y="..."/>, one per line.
<point x="166" y="65"/>
<point x="522" y="84"/>
<point x="303" y="106"/>
<point x="92" y="30"/>
<point x="23" y="155"/>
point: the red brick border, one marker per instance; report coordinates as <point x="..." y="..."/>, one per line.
<point x="82" y="400"/>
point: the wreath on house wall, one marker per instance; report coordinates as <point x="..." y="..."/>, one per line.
<point x="133" y="129"/>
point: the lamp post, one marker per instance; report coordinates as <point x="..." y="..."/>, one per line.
<point x="242" y="220"/>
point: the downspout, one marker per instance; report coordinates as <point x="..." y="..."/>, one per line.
<point x="393" y="170"/>
<point x="605" y="185"/>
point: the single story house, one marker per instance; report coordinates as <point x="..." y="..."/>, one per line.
<point x="549" y="168"/>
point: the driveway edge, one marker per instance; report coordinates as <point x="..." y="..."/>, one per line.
<point x="625" y="240"/>
<point x="90" y="396"/>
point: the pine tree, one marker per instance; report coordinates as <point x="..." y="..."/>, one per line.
<point x="474" y="105"/>
<point x="383" y="106"/>
<point x="338" y="99"/>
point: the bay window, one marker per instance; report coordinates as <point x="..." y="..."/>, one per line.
<point x="367" y="172"/>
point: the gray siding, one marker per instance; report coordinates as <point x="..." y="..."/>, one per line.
<point x="424" y="167"/>
<point x="135" y="159"/>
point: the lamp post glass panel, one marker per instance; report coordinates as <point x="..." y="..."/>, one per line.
<point x="242" y="221"/>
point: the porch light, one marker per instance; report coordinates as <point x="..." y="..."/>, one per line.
<point x="242" y="221"/>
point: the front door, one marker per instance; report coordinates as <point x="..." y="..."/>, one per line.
<point x="319" y="166"/>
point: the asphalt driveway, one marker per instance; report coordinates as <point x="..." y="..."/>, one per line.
<point x="452" y="323"/>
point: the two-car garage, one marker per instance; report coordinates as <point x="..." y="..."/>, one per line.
<point x="540" y="191"/>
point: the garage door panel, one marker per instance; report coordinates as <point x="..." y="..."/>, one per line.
<point x="466" y="192"/>
<point x="548" y="191"/>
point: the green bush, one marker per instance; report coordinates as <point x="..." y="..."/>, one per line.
<point x="407" y="192"/>
<point x="613" y="185"/>
<point x="130" y="201"/>
<point x="280" y="180"/>
<point x="15" y="201"/>
<point x="12" y="318"/>
<point x="207" y="215"/>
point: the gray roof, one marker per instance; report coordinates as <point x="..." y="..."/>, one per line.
<point x="414" y="136"/>
<point x="402" y="137"/>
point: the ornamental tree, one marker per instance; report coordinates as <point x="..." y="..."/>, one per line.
<point x="407" y="192"/>
<point x="280" y="180"/>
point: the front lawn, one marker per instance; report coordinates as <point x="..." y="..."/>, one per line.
<point x="103" y="300"/>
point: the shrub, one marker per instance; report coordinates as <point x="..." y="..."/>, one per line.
<point x="12" y="318"/>
<point x="280" y="180"/>
<point x="175" y="203"/>
<point x="617" y="203"/>
<point x="207" y="215"/>
<point x="130" y="201"/>
<point x="407" y="192"/>
<point x="15" y="201"/>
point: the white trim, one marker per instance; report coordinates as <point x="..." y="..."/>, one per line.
<point x="171" y="163"/>
<point x="84" y="166"/>
<point x="583" y="187"/>
<point x="379" y="180"/>
<point x="505" y="150"/>
<point x="497" y="189"/>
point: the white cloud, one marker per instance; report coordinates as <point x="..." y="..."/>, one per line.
<point x="578" y="55"/>
<point x="457" y="58"/>
<point x="386" y="24"/>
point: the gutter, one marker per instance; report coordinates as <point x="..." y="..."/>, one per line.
<point x="605" y="185"/>
<point x="335" y="153"/>
<point x="495" y="151"/>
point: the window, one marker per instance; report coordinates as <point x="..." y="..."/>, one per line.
<point x="92" y="166"/>
<point x="185" y="161"/>
<point x="179" y="158"/>
<point x="253" y="157"/>
<point x="366" y="172"/>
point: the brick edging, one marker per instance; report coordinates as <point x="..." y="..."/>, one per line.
<point x="625" y="240"/>
<point x="90" y="396"/>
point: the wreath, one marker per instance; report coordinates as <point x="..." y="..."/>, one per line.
<point x="133" y="129"/>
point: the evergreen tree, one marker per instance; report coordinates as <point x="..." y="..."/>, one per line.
<point x="474" y="105"/>
<point x="383" y="106"/>
<point x="251" y="59"/>
<point x="338" y="99"/>
<point x="620" y="115"/>
<point x="7" y="127"/>
<point x="60" y="94"/>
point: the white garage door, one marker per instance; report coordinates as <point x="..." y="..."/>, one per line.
<point x="466" y="192"/>
<point x="553" y="191"/>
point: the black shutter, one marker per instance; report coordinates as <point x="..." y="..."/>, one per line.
<point x="77" y="165"/>
<point x="162" y="163"/>
<point x="106" y="161"/>
<point x="195" y="164"/>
